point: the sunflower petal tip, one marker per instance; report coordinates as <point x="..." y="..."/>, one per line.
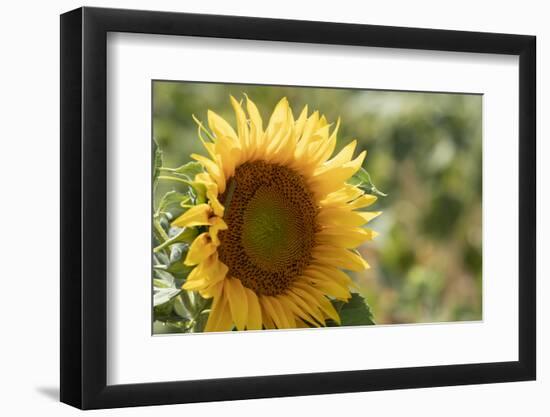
<point x="234" y="101"/>
<point x="188" y="262"/>
<point x="284" y="102"/>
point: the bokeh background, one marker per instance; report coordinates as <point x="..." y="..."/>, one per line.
<point x="424" y="151"/>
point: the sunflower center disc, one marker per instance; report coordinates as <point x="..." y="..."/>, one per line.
<point x="270" y="215"/>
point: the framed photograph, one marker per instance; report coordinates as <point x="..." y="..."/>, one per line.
<point x="258" y="208"/>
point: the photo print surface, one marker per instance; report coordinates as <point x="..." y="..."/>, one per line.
<point x="278" y="207"/>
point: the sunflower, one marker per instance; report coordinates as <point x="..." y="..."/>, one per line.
<point x="279" y="221"/>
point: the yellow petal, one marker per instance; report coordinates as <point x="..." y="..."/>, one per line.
<point x="321" y="149"/>
<point x="311" y="309"/>
<point x="363" y="201"/>
<point x="331" y="143"/>
<point x="325" y="305"/>
<point x="238" y="302"/>
<point x="211" y="192"/>
<point x="217" y="224"/>
<point x="309" y="128"/>
<point x="301" y="324"/>
<point x="254" y="321"/>
<point x="204" y="178"/>
<point x="279" y="139"/>
<point x="339" y="257"/>
<point x="195" y="285"/>
<point x="201" y="248"/>
<point x="277" y="320"/>
<point x="213" y="290"/>
<point x="256" y="137"/>
<point x="242" y="125"/>
<point x="328" y="181"/>
<point x="278" y="118"/>
<point x="340" y="197"/>
<point x="300" y="123"/>
<point x="309" y="153"/>
<point x="323" y="132"/>
<point x="196" y="275"/>
<point x="343" y="157"/>
<point x="213" y="169"/>
<point x="266" y="318"/>
<point x="229" y="153"/>
<point x="369" y="215"/>
<point x="329" y="273"/>
<point x="328" y="287"/>
<point x="206" y="274"/>
<point x="218" y="270"/>
<point x="255" y="118"/>
<point x="286" y="315"/>
<point x="220" y="316"/>
<point x="288" y="303"/>
<point x="195" y="216"/>
<point x="285" y="148"/>
<point x="220" y="127"/>
<point x="339" y="216"/>
<point x="344" y="237"/>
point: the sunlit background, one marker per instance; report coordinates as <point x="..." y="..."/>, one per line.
<point x="424" y="151"/>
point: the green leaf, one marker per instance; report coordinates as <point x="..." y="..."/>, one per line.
<point x="164" y="287"/>
<point x="177" y="235"/>
<point x="161" y="227"/>
<point x="163" y="312"/>
<point x="200" y="322"/>
<point x="163" y="279"/>
<point x="176" y="267"/>
<point x="171" y="203"/>
<point x="180" y="307"/>
<point x="185" y="172"/>
<point x="177" y="252"/>
<point x="159" y="283"/>
<point x="160" y="259"/>
<point x="173" y="264"/>
<point x="189" y="170"/>
<point x="184" y="235"/>
<point x="188" y="299"/>
<point x="157" y="161"/>
<point x="164" y="221"/>
<point x="356" y="312"/>
<point x="163" y="295"/>
<point x="163" y="327"/>
<point x="363" y="180"/>
<point x="198" y="193"/>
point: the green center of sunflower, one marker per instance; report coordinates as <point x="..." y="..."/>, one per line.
<point x="270" y="214"/>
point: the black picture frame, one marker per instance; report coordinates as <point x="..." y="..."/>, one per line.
<point x="84" y="207"/>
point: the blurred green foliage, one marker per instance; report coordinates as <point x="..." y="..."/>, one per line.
<point x="424" y="151"/>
